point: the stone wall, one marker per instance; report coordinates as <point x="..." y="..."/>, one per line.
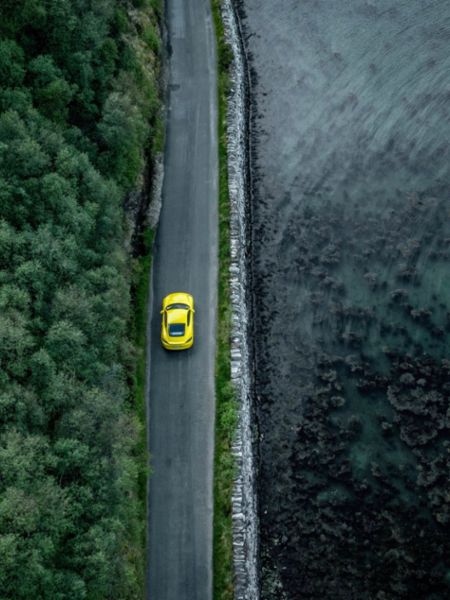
<point x="245" y="536"/>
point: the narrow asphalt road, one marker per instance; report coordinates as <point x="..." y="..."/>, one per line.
<point x="181" y="399"/>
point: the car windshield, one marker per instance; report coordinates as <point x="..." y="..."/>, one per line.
<point x="176" y="330"/>
<point x="177" y="305"/>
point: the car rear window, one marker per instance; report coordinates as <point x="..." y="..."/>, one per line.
<point x="176" y="330"/>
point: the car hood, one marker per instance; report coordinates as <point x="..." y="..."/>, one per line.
<point x="178" y="297"/>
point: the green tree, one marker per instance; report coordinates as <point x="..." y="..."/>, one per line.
<point x="122" y="132"/>
<point x="51" y="92"/>
<point x="15" y="343"/>
<point x="12" y="69"/>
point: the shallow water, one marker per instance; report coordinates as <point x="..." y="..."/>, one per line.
<point x="351" y="248"/>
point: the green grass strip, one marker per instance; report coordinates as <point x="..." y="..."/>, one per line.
<point x="226" y="410"/>
<point x="140" y="297"/>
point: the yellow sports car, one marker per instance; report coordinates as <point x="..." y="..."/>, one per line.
<point x="177" y="327"/>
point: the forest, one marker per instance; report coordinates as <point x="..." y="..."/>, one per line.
<point x="79" y="105"/>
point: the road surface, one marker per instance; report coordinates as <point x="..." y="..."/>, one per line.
<point x="182" y="399"/>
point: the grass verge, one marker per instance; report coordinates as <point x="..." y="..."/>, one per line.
<point x="140" y="297"/>
<point x="226" y="409"/>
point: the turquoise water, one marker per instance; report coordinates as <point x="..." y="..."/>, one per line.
<point x="351" y="249"/>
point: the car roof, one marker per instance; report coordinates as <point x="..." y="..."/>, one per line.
<point x="177" y="315"/>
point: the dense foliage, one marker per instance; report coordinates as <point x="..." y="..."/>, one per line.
<point x="77" y="106"/>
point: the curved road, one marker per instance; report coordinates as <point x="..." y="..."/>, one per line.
<point x="182" y="399"/>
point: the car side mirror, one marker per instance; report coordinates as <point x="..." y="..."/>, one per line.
<point x="161" y="312"/>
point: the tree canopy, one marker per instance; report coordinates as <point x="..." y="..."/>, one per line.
<point x="76" y="119"/>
